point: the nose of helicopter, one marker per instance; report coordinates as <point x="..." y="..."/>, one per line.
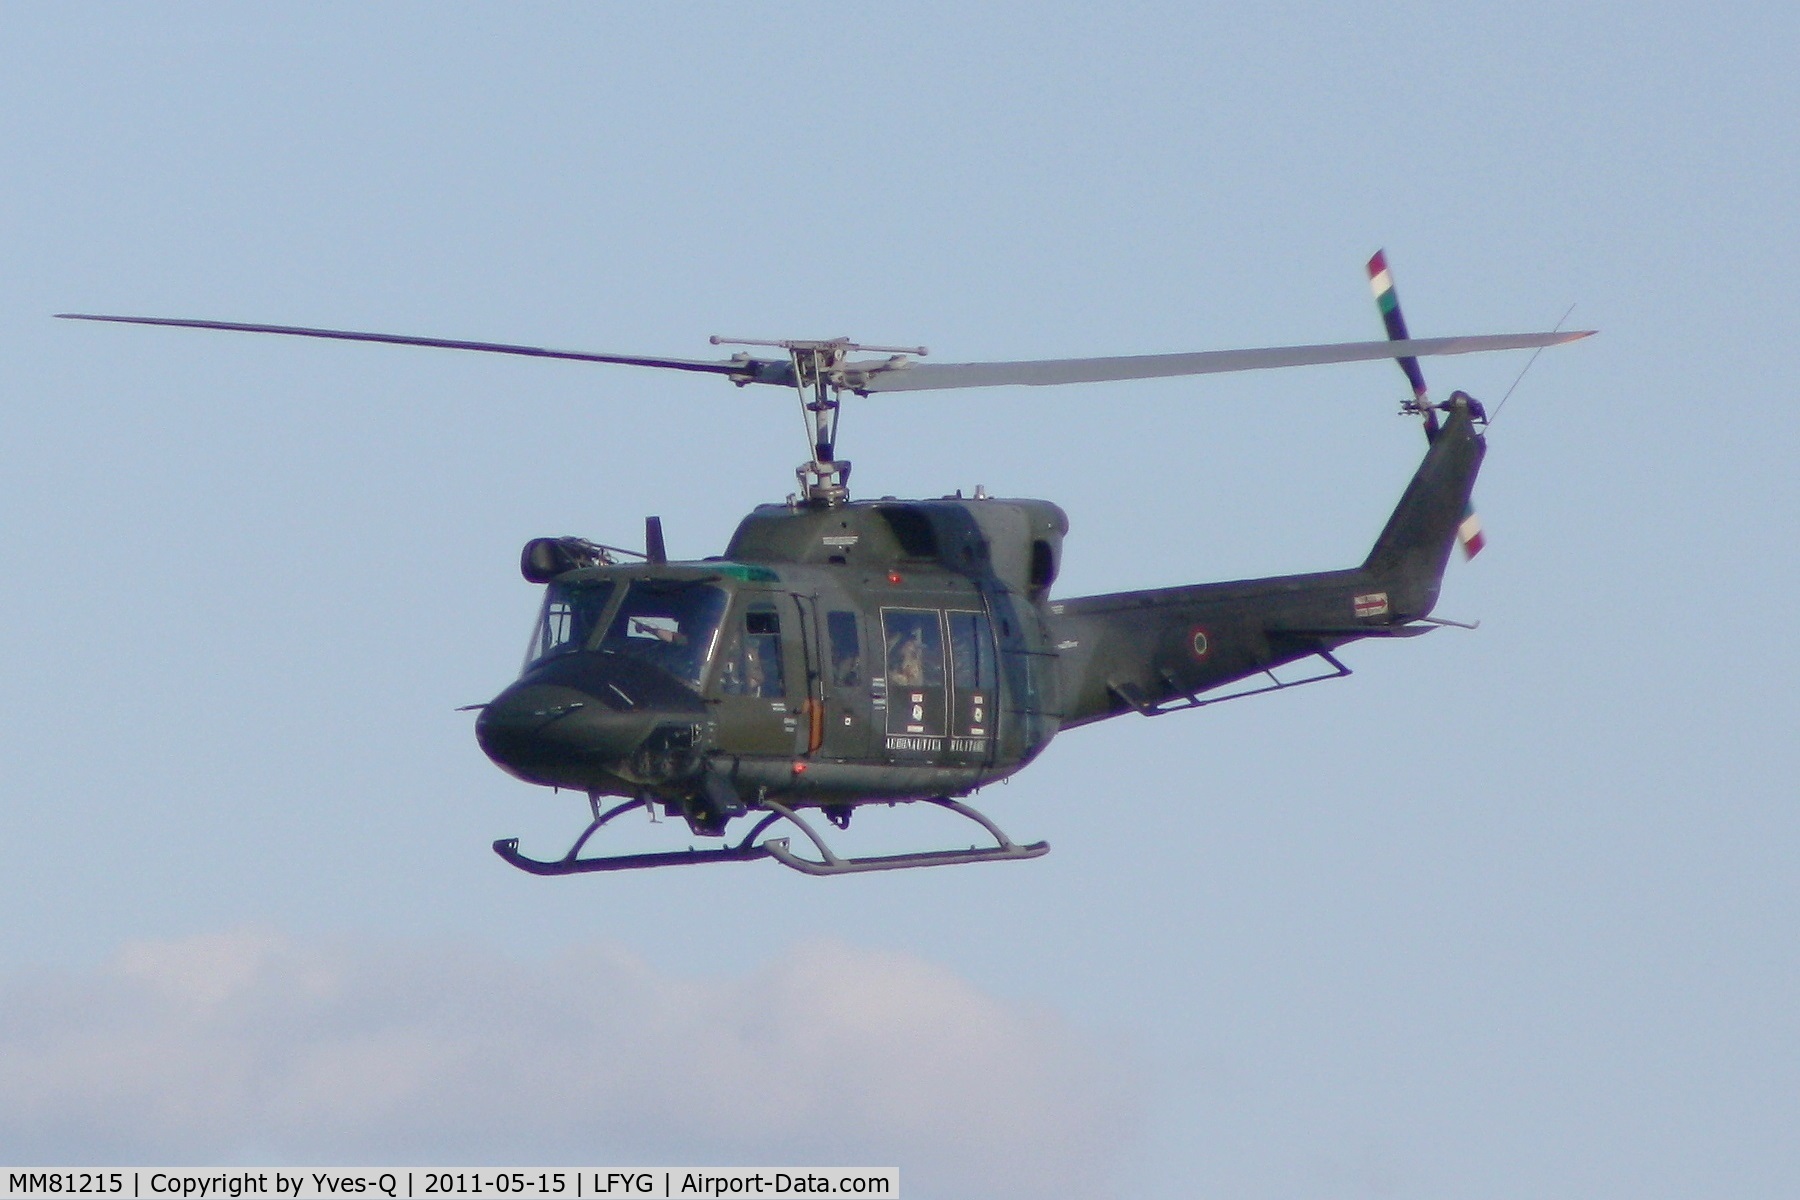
<point x="575" y="720"/>
<point x="552" y="733"/>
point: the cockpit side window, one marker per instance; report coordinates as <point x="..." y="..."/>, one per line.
<point x="752" y="666"/>
<point x="846" y="649"/>
<point x="570" y="614"/>
<point x="671" y="624"/>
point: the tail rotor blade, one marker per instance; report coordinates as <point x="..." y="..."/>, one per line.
<point x="1381" y="282"/>
<point x="1469" y="534"/>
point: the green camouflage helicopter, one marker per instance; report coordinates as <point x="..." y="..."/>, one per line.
<point x="842" y="653"/>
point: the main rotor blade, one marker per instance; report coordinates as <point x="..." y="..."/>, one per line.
<point x="1046" y="372"/>
<point x="754" y="370"/>
<point x="912" y="376"/>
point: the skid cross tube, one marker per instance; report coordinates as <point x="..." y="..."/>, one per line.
<point x="748" y="848"/>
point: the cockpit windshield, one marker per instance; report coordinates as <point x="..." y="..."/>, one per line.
<point x="570" y="614"/>
<point x="669" y="623"/>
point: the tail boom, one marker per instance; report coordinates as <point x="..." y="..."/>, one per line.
<point x="1137" y="651"/>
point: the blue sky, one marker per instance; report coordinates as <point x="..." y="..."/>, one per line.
<point x="1506" y="913"/>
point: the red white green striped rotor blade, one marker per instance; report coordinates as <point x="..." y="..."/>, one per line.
<point x="1469" y="534"/>
<point x="1381" y="282"/>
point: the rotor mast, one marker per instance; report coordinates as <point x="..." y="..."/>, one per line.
<point x="819" y="377"/>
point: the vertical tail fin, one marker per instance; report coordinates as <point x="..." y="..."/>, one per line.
<point x="1410" y="555"/>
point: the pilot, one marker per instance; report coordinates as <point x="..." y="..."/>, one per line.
<point x="660" y="633"/>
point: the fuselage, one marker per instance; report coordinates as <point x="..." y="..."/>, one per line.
<point x="900" y="650"/>
<point x="834" y="655"/>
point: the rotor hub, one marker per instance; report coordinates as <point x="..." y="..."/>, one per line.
<point x="820" y="376"/>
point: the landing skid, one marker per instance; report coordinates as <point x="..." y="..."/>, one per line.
<point x="747" y="848"/>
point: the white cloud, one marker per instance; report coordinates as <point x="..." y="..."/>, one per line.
<point x="250" y="1046"/>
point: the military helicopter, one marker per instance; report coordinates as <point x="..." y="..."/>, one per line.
<point x="843" y="652"/>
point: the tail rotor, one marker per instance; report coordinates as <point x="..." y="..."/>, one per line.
<point x="1381" y="282"/>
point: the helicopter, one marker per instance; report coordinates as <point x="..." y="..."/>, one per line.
<point x="842" y="653"/>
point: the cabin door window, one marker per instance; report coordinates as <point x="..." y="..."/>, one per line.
<point x="913" y="685"/>
<point x="974" y="678"/>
